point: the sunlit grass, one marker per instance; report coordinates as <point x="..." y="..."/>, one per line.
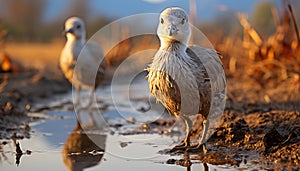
<point x="37" y="56"/>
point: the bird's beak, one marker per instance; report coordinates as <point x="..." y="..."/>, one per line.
<point x="68" y="31"/>
<point x="172" y="30"/>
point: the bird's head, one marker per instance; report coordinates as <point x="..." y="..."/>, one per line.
<point x="173" y="26"/>
<point x="74" y="28"/>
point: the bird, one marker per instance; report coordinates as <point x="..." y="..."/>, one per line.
<point x="87" y="72"/>
<point x="179" y="75"/>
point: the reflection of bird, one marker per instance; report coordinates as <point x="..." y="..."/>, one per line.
<point x="78" y="152"/>
<point x="85" y="68"/>
<point x="178" y="76"/>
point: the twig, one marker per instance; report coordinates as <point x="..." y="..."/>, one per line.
<point x="249" y="30"/>
<point x="193" y="12"/>
<point x="4" y="83"/>
<point x="275" y="16"/>
<point x="19" y="153"/>
<point x="18" y="148"/>
<point x="294" y="22"/>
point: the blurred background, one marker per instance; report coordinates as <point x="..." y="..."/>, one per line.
<point x="42" y="20"/>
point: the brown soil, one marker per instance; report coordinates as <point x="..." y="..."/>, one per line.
<point x="251" y="125"/>
<point x="19" y="91"/>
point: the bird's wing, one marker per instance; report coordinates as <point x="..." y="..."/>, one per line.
<point x="214" y="68"/>
<point x="213" y="65"/>
<point x="90" y="66"/>
<point x="97" y="54"/>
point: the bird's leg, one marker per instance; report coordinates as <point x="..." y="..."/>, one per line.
<point x="89" y="105"/>
<point x="78" y="111"/>
<point x="92" y="119"/>
<point x="201" y="143"/>
<point x="77" y="106"/>
<point x="186" y="142"/>
<point x="77" y="97"/>
<point x="188" y="126"/>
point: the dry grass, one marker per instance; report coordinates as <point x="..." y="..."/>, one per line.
<point x="262" y="70"/>
<point x="37" y="56"/>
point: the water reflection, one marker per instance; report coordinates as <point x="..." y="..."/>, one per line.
<point x="18" y="152"/>
<point x="80" y="152"/>
<point x="186" y="162"/>
<point x="215" y="158"/>
<point x="222" y="158"/>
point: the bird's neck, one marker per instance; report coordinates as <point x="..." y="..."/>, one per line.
<point x="170" y="45"/>
<point x="75" y="42"/>
<point x="171" y="58"/>
<point x="74" y="39"/>
<point x="174" y="52"/>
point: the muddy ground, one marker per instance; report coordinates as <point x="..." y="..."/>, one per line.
<point x="257" y="119"/>
<point x="19" y="91"/>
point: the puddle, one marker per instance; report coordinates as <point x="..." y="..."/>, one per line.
<point x="118" y="141"/>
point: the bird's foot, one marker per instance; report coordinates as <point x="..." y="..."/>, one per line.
<point x="92" y="123"/>
<point x="197" y="148"/>
<point x="180" y="147"/>
<point x="89" y="109"/>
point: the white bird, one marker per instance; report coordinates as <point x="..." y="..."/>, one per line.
<point x="179" y="76"/>
<point x="88" y="71"/>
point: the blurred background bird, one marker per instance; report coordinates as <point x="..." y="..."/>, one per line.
<point x="179" y="76"/>
<point x="86" y="72"/>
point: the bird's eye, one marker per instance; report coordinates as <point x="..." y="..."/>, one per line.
<point x="182" y="21"/>
<point x="78" y="26"/>
<point x="162" y="21"/>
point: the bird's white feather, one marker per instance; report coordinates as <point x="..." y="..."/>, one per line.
<point x="82" y="62"/>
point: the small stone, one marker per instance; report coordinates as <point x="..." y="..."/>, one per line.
<point x="123" y="144"/>
<point x="27" y="107"/>
<point x="131" y="120"/>
<point x="8" y="107"/>
<point x="171" y="161"/>
<point x="28" y="152"/>
<point x="145" y="127"/>
<point x="272" y="138"/>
